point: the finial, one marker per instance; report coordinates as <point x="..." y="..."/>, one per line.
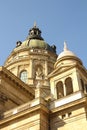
<point x="35" y="25"/>
<point x="65" y="46"/>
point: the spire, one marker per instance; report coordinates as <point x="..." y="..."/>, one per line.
<point x="35" y="25"/>
<point x="65" y="46"/>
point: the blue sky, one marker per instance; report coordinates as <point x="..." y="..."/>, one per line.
<point x="59" y="20"/>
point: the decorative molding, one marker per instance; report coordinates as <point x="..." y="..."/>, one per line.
<point x="3" y="97"/>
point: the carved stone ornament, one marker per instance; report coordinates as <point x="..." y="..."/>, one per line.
<point x="39" y="73"/>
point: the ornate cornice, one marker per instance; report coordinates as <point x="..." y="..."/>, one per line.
<point x="3" y="97"/>
<point x="6" y="74"/>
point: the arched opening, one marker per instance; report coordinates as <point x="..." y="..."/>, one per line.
<point x="69" y="86"/>
<point x="86" y="88"/>
<point x="59" y="89"/>
<point x="23" y="76"/>
<point x="82" y="84"/>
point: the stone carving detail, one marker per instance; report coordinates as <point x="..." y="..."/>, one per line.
<point x="39" y="72"/>
<point x="38" y="84"/>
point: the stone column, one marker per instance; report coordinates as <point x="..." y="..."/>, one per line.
<point x="31" y="69"/>
<point x="64" y="87"/>
<point x="30" y="72"/>
<point x="46" y="68"/>
<point x="76" y="81"/>
<point x="38" y="90"/>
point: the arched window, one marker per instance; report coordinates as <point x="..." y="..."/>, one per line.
<point x="82" y="84"/>
<point x="59" y="89"/>
<point x="86" y="88"/>
<point x="23" y="76"/>
<point x="69" y="86"/>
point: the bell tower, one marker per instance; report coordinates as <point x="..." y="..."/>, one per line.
<point x="68" y="90"/>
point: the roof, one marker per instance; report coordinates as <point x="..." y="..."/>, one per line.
<point x="66" y="52"/>
<point x="66" y="57"/>
<point x="35" y="40"/>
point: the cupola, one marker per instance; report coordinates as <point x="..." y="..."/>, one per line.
<point x="68" y="79"/>
<point x="35" y="33"/>
<point x="66" y="52"/>
<point x="66" y="57"/>
<point x="34" y="40"/>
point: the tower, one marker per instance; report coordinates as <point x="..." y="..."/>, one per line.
<point x="69" y="91"/>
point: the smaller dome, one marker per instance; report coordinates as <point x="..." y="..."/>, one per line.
<point x="66" y="57"/>
<point x="65" y="52"/>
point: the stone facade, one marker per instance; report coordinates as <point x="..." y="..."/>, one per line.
<point x="40" y="90"/>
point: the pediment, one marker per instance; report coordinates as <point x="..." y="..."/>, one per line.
<point x="61" y="69"/>
<point x="13" y="91"/>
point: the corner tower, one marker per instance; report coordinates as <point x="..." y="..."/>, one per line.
<point x="69" y="91"/>
<point x="32" y="60"/>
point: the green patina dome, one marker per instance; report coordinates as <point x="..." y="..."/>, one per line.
<point x="34" y="40"/>
<point x="34" y="43"/>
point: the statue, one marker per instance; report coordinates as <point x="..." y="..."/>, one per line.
<point x="39" y="73"/>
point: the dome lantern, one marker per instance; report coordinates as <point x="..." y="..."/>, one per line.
<point x="35" y="33"/>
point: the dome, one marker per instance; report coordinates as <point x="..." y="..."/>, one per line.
<point x="33" y="44"/>
<point x="39" y="44"/>
<point x="35" y="40"/>
<point x="66" y="57"/>
<point x="66" y="52"/>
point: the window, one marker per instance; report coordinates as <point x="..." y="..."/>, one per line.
<point x="64" y="89"/>
<point x="63" y="116"/>
<point x="60" y="92"/>
<point x="69" y="86"/>
<point x="86" y="88"/>
<point x="23" y="76"/>
<point x="82" y="84"/>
